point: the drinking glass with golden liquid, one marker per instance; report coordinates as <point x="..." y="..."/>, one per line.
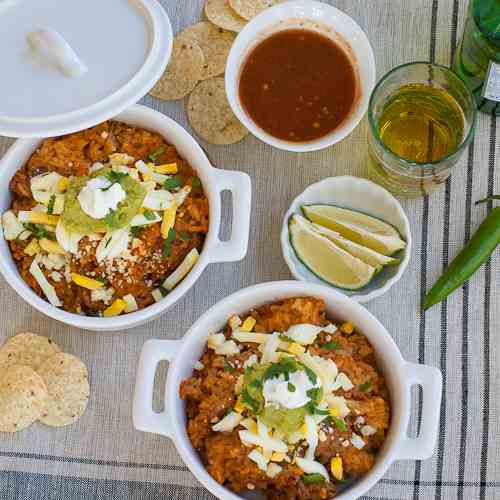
<point x="421" y="118"/>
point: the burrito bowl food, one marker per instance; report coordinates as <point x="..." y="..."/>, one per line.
<point x="286" y="402"/>
<point x="105" y="221"/>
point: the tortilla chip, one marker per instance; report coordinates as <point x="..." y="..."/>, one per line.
<point x="22" y="397"/>
<point x="211" y="116"/>
<point x="27" y="349"/>
<point x="250" y="8"/>
<point x="67" y="382"/>
<point x="183" y="71"/>
<point x="220" y="13"/>
<point x="215" y="44"/>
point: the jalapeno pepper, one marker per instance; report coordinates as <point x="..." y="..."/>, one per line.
<point x="466" y="263"/>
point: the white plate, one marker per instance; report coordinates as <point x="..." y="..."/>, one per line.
<point x="356" y="194"/>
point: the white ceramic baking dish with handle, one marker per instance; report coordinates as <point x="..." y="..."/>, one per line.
<point x="214" y="182"/>
<point x="400" y="375"/>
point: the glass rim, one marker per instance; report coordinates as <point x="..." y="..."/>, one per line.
<point x="409" y="163"/>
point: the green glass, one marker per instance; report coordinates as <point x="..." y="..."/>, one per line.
<point x="477" y="59"/>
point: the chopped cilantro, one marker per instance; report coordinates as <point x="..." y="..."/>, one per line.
<point x="257" y="383"/>
<point x="252" y="403"/>
<point x="115" y="177"/>
<point x="153" y="156"/>
<point x="167" y="245"/>
<point x="313" y="478"/>
<point x="365" y="387"/>
<point x="284" y="367"/>
<point x="135" y="231"/>
<point x="50" y="206"/>
<point x="149" y="215"/>
<point x="332" y="345"/>
<point x="339" y="424"/>
<point x="312" y="376"/>
<point x="313" y="393"/>
<point x="284" y="338"/>
<point x="39" y="232"/>
<point x="173" y="182"/>
<point x="229" y="368"/>
<point x="102" y="280"/>
<point x="291" y="387"/>
<point x="184" y="235"/>
<point x="196" y="183"/>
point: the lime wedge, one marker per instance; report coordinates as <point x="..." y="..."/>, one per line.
<point x="327" y="260"/>
<point x="371" y="257"/>
<point x="358" y="227"/>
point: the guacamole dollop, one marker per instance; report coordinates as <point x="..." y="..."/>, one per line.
<point x="75" y="219"/>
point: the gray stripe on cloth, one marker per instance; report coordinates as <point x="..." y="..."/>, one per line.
<point x="423" y="265"/>
<point x="486" y="323"/>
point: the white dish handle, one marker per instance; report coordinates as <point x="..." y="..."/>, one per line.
<point x="145" y="419"/>
<point x="240" y="186"/>
<point x="431" y="381"/>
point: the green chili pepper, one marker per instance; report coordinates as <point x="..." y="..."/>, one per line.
<point x="466" y="263"/>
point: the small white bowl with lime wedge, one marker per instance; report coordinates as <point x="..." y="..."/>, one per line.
<point x="349" y="233"/>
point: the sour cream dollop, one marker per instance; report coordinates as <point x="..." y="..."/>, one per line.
<point x="99" y="196"/>
<point x="277" y="390"/>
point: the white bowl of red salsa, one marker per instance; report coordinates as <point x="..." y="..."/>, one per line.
<point x="299" y="75"/>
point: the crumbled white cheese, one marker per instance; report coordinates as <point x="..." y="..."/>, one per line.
<point x="228" y="423"/>
<point x="342" y="382"/>
<point x="56" y="276"/>
<point x="273" y="470"/>
<point x="250" y="361"/>
<point x="199" y="366"/>
<point x="312" y="467"/>
<point x="228" y="348"/>
<point x="102" y="294"/>
<point x="357" y="442"/>
<point x="368" y="430"/>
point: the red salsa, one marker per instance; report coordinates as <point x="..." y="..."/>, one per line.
<point x="298" y="85"/>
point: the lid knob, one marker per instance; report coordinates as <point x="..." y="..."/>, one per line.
<point x="51" y="48"/>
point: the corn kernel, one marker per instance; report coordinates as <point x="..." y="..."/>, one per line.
<point x="347" y="328"/>
<point x="33" y="248"/>
<point x="51" y="247"/>
<point x="39" y="218"/>
<point x="168" y="220"/>
<point x="278" y="457"/>
<point x="62" y="185"/>
<point x="85" y="282"/>
<point x="115" y="309"/>
<point x="337" y="468"/>
<point x="296" y="349"/>
<point x="248" y="324"/>
<point x="239" y="407"/>
<point x="334" y="412"/>
<point x="167" y="168"/>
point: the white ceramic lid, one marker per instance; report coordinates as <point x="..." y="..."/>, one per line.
<point x="69" y="65"/>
